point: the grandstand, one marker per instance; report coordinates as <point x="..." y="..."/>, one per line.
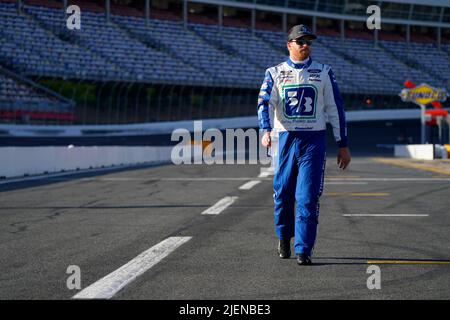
<point x="156" y="60"/>
<point x="23" y="101"/>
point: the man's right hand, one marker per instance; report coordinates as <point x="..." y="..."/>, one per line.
<point x="343" y="158"/>
<point x="265" y="140"/>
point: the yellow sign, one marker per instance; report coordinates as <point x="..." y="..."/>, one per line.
<point x="423" y="94"/>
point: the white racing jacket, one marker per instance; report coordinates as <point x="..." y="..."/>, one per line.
<point x="302" y="96"/>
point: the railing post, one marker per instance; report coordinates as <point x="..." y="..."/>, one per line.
<point x="147" y="12"/>
<point x="136" y="118"/>
<point x="160" y="102"/>
<point x="253" y="21"/>
<point x="126" y="102"/>
<point x="185" y="13"/>
<point x="108" y="10"/>
<point x="148" y="98"/>
<point x="220" y="16"/>
<point x="181" y="106"/>
<point x="118" y="102"/>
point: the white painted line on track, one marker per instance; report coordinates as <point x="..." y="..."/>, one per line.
<point x="249" y="185"/>
<point x="170" y="179"/>
<point x="385" y="215"/>
<point x="204" y="179"/>
<point x="264" y="175"/>
<point x="266" y="172"/>
<point x="109" y="285"/>
<point x="403" y="179"/>
<point x="220" y="205"/>
<point x="344" y="183"/>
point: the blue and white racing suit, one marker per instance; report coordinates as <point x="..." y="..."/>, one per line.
<point x="301" y="96"/>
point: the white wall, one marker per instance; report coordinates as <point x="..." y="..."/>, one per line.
<point x="415" y="151"/>
<point x="18" y="161"/>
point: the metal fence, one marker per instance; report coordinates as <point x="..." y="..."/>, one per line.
<point x="131" y="102"/>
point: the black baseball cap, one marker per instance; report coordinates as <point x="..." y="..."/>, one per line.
<point x="300" y="31"/>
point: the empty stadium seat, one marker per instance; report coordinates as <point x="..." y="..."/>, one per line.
<point x="129" y="48"/>
<point x="21" y="101"/>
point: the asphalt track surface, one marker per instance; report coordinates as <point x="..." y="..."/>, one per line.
<point x="101" y="222"/>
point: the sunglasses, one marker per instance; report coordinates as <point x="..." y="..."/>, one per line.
<point x="302" y="42"/>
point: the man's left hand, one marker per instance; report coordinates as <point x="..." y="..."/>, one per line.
<point x="343" y="158"/>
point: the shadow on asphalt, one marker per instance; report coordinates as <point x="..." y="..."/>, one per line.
<point x="42" y="180"/>
<point x="365" y="260"/>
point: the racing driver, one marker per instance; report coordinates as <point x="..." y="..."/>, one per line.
<point x="302" y="94"/>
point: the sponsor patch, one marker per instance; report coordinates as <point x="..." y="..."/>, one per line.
<point x="299" y="101"/>
<point x="314" y="77"/>
<point x="286" y="75"/>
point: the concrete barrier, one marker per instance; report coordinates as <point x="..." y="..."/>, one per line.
<point x="20" y="161"/>
<point x="415" y="151"/>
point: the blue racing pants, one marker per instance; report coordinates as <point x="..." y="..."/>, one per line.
<point x="299" y="174"/>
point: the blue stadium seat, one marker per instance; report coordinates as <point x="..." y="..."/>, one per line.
<point x="37" y="43"/>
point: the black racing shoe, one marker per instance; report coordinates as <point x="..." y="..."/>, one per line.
<point x="303" y="259"/>
<point x="284" y="249"/>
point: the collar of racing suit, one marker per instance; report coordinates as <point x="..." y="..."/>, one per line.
<point x="299" y="64"/>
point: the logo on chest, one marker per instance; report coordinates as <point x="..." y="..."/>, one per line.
<point x="286" y="76"/>
<point x="314" y="77"/>
<point x="299" y="101"/>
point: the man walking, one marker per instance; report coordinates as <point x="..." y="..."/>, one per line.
<point x="302" y="92"/>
